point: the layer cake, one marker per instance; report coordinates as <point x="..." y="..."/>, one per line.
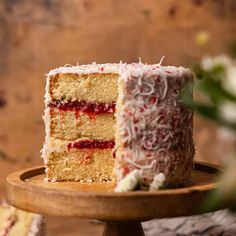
<point x="106" y="122"/>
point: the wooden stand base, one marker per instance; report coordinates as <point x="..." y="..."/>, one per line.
<point x="122" y="212"/>
<point x="123" y="229"/>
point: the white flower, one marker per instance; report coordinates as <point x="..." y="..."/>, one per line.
<point x="157" y="182"/>
<point x="209" y="62"/>
<point x="229" y="81"/>
<point x="226" y="134"/>
<point x="130" y="181"/>
<point x="228" y="111"/>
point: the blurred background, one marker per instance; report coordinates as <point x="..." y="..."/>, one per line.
<point x="39" y="35"/>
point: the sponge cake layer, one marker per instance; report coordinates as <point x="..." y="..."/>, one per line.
<point x="86" y="165"/>
<point x="71" y="125"/>
<point x="87" y="87"/>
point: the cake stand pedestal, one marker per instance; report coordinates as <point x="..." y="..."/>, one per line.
<point x="122" y="212"/>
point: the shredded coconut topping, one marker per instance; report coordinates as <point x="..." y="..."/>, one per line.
<point x="130" y="182"/>
<point x="37" y="226"/>
<point x="157" y="182"/>
<point x="154" y="128"/>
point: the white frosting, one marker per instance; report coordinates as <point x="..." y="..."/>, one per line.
<point x="47" y="97"/>
<point x="157" y="182"/>
<point x="55" y="145"/>
<point x="130" y="182"/>
<point x="45" y="150"/>
<point x="88" y="69"/>
<point x="36" y="228"/>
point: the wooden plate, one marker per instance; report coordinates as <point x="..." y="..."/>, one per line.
<point x="28" y="190"/>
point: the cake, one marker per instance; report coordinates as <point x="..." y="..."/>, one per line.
<point x="15" y="222"/>
<point x="115" y="122"/>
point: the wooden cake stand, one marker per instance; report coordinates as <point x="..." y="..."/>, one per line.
<point x="122" y="212"/>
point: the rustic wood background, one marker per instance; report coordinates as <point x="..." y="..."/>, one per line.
<point x="38" y="35"/>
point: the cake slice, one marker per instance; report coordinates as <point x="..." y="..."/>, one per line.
<point x="15" y="222"/>
<point x="80" y="123"/>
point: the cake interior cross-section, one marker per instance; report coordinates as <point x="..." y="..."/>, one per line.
<point x="114" y="122"/>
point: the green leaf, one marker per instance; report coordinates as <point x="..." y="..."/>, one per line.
<point x="216" y="73"/>
<point x="214" y="90"/>
<point x="212" y="113"/>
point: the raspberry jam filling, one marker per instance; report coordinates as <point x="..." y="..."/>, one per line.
<point x="91" y="144"/>
<point x="86" y="107"/>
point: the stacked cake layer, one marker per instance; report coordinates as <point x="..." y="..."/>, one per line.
<point x="80" y="122"/>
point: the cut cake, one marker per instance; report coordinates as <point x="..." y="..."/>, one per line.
<point x="105" y="121"/>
